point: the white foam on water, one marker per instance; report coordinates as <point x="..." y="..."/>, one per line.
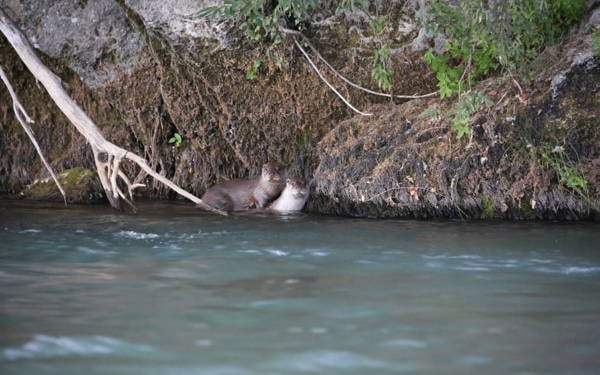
<point x="318" y="253"/>
<point x="249" y="251"/>
<point x="92" y="251"/>
<point x="30" y="231"/>
<point x="137" y="235"/>
<point x="406" y="343"/>
<point x="279" y="253"/>
<point x="473" y="268"/>
<point x="576" y="269"/>
<point x="321" y="361"/>
<point x="43" y="346"/>
<point x="570" y="270"/>
<point x="446" y="256"/>
<point x="540" y="261"/>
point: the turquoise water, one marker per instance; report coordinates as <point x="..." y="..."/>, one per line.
<point x="172" y="290"/>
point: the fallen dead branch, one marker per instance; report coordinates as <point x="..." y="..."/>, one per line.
<point x="25" y="120"/>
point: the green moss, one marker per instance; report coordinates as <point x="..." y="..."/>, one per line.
<point x="488" y="208"/>
<point x="80" y="185"/>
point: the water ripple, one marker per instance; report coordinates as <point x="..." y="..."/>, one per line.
<point x="42" y="346"/>
<point x="136" y="235"/>
<point x="321" y="361"/>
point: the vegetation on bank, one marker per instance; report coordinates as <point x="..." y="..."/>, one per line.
<point x="483" y="39"/>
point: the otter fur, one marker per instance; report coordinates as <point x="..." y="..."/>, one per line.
<point x="292" y="198"/>
<point x="244" y="194"/>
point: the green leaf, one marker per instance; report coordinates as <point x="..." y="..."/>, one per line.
<point x="461" y="127"/>
<point x="176" y="139"/>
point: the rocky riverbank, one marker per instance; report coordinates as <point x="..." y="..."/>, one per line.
<point x="144" y="71"/>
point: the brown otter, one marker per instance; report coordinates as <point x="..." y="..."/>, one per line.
<point x="292" y="198"/>
<point x="242" y="194"/>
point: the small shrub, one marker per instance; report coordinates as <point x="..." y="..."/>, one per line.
<point x="252" y="73"/>
<point x="176" y="140"/>
<point x="485" y="36"/>
<point x="596" y="42"/>
<point x="262" y="20"/>
<point x="466" y="107"/>
<point x="567" y="175"/>
<point x="379" y="72"/>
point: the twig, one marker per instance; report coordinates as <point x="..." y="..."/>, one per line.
<point x="25" y="120"/>
<point x="349" y="82"/>
<point x="312" y="64"/>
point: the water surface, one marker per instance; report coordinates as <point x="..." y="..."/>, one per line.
<point x="172" y="290"/>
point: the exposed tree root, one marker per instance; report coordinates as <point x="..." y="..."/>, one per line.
<point x="295" y="34"/>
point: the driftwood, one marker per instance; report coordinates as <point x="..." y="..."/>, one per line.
<point x="107" y="155"/>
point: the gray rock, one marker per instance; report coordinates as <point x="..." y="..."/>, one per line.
<point x="94" y="38"/>
<point x="175" y="19"/>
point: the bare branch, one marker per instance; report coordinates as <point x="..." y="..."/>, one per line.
<point x="343" y="78"/>
<point x="25" y="120"/>
<point x="312" y="64"/>
<point x="296" y="33"/>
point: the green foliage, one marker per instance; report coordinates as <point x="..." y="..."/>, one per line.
<point x="468" y="105"/>
<point x="460" y="115"/>
<point x="263" y="19"/>
<point x="176" y="140"/>
<point x="252" y="73"/>
<point x="268" y="21"/>
<point x="568" y="176"/>
<point x="352" y="5"/>
<point x="484" y="36"/>
<point x="449" y="81"/>
<point x="596" y="42"/>
<point x="379" y="72"/>
<point x="434" y="113"/>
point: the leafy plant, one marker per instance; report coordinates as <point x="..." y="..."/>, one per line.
<point x="460" y="115"/>
<point x="252" y="73"/>
<point x="448" y="78"/>
<point x="485" y="36"/>
<point x="379" y="72"/>
<point x="567" y="175"/>
<point x="434" y="113"/>
<point x="176" y="140"/>
<point x="263" y="19"/>
<point x="596" y="42"/>
<point x="468" y="105"/>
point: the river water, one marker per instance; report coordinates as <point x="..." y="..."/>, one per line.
<point x="173" y="290"/>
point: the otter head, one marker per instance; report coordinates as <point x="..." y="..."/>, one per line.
<point x="272" y="172"/>
<point x="298" y="186"/>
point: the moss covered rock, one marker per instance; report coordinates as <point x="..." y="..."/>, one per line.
<point x="81" y="185"/>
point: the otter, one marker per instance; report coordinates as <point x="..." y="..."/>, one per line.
<point x="292" y="198"/>
<point x="244" y="194"/>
